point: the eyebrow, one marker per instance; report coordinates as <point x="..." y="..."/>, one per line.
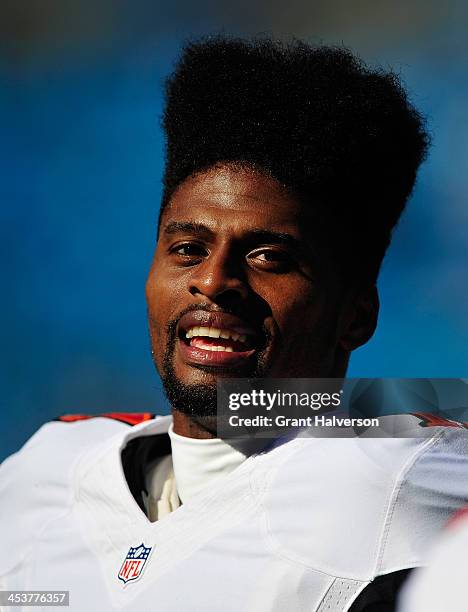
<point x="191" y="227"/>
<point x="260" y="234"/>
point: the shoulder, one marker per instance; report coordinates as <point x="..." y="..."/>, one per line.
<point x="36" y="482"/>
<point x="360" y="507"/>
<point x="58" y="444"/>
<point x="442" y="584"/>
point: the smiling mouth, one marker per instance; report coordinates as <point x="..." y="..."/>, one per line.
<point x="216" y="340"/>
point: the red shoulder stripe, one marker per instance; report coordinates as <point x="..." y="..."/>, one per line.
<point x="461" y="516"/>
<point x="131" y="418"/>
<point x="432" y="420"/>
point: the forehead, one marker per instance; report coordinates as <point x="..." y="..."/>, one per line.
<point x="235" y="198"/>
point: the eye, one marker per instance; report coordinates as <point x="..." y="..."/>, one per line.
<point x="274" y="260"/>
<point x="188" y="252"/>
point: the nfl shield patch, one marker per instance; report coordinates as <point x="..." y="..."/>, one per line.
<point x="134" y="563"/>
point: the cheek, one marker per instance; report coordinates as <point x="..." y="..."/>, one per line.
<point x="153" y="296"/>
<point x="305" y="322"/>
<point x="298" y="308"/>
<point x="160" y="302"/>
<point x="154" y="315"/>
<point x="159" y="291"/>
<point x="164" y="296"/>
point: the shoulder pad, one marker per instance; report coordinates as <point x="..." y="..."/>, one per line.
<point x="383" y="497"/>
<point x="36" y="483"/>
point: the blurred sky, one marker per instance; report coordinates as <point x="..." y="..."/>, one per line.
<point x="81" y="158"/>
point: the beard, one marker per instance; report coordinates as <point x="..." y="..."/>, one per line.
<point x="199" y="401"/>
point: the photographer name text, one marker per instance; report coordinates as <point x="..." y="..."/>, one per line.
<point x="317" y="421"/>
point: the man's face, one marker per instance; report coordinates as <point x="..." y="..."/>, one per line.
<point x="235" y="289"/>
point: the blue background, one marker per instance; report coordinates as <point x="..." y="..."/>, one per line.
<point x="81" y="158"/>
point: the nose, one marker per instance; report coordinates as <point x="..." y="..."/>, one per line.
<point x="220" y="277"/>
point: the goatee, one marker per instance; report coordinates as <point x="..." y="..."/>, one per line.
<point x="199" y="400"/>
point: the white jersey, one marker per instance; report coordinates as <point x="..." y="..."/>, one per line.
<point x="303" y="526"/>
<point x="442" y="584"/>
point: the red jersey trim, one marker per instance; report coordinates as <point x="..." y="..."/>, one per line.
<point x="432" y="420"/>
<point x="460" y="516"/>
<point x="130" y="418"/>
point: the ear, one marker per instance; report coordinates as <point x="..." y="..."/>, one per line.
<point x="359" y="318"/>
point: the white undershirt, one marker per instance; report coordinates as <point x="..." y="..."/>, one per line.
<point x="198" y="462"/>
<point x="193" y="465"/>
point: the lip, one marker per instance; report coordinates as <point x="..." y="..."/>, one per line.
<point x="197" y="356"/>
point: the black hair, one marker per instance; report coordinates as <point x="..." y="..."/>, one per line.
<point x="341" y="136"/>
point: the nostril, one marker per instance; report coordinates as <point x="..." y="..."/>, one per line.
<point x="230" y="296"/>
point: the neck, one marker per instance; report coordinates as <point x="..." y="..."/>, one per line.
<point x="188" y="426"/>
<point x="204" y="428"/>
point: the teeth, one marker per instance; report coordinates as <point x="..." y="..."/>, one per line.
<point x="215" y="332"/>
<point x="192" y="332"/>
<point x="224" y="349"/>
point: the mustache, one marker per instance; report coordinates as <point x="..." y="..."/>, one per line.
<point x="171" y="328"/>
<point x="172" y="325"/>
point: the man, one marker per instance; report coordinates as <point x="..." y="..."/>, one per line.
<point x="287" y="168"/>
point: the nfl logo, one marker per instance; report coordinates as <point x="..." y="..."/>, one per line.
<point x="134" y="562"/>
